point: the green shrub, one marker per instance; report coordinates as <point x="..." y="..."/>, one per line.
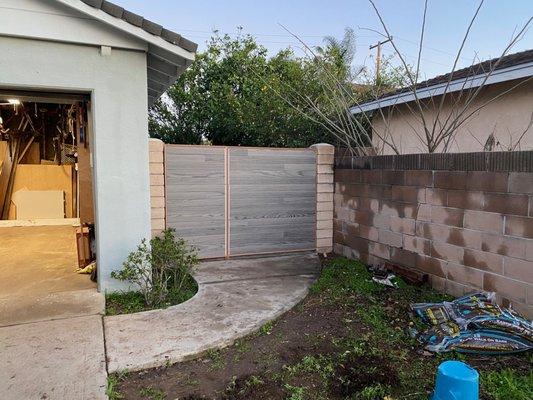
<point x="161" y="270"/>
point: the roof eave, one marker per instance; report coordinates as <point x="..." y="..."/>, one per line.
<point x="498" y="76"/>
<point x="171" y="59"/>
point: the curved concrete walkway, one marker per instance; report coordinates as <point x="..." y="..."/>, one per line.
<point x="235" y="298"/>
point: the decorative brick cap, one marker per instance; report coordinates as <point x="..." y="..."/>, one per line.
<point x="156" y="144"/>
<point x="323" y="148"/>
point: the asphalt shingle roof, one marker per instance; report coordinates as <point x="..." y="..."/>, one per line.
<point x="147" y="25"/>
<point x="509" y="60"/>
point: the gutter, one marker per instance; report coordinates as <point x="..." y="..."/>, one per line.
<point x="498" y="76"/>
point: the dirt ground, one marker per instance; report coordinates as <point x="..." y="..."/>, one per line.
<point x="347" y="340"/>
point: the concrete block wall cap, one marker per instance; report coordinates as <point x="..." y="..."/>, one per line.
<point x="155" y="140"/>
<point x="322" y="145"/>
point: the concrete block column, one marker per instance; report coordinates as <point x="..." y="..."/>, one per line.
<point x="325" y="154"/>
<point x="157" y="186"/>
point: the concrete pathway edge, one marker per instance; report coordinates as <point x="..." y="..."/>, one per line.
<point x="235" y="298"/>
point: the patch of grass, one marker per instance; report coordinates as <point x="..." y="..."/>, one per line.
<point x="124" y="303"/>
<point x="266" y="329"/>
<point x="342" y="275"/>
<point x="507" y="384"/>
<point x="132" y="302"/>
<point x="320" y="365"/>
<point x="190" y="381"/>
<point x="294" y="392"/>
<point x="152" y="394"/>
<point x="373" y="392"/>
<point x="217" y="361"/>
<point x="112" y="384"/>
<point x="241" y="348"/>
<point x="112" y="391"/>
<point x="253" y="381"/>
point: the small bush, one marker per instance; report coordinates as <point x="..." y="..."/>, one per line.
<point x="160" y="272"/>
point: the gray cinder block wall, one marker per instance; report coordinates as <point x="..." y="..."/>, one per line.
<point x="469" y="230"/>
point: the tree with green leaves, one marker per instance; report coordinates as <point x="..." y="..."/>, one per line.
<point x="235" y="94"/>
<point x="228" y="97"/>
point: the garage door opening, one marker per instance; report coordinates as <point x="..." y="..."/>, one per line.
<point x="47" y="242"/>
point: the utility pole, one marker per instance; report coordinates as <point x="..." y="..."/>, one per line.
<point x="378" y="57"/>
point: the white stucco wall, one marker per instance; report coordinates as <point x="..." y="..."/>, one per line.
<point x="118" y="88"/>
<point x="507" y="117"/>
<point x="50" y="20"/>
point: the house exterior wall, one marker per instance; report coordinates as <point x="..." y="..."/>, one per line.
<point x="118" y="87"/>
<point x="508" y="117"/>
<point x="468" y="230"/>
<point x="50" y="20"/>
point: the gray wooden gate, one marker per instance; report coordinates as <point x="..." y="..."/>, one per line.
<point x="231" y="201"/>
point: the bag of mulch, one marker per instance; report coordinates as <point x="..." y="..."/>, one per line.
<point x="479" y="342"/>
<point x="473" y="323"/>
<point x="507" y="322"/>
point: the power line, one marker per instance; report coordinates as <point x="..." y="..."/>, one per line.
<point x="433" y="48"/>
<point x="297" y="44"/>
<point x="424" y="46"/>
<point x="260" y="34"/>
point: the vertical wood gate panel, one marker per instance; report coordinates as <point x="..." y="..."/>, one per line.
<point x="272" y="200"/>
<point x="236" y="201"/>
<point x="195" y="193"/>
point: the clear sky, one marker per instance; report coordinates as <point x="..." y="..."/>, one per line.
<point x="313" y="19"/>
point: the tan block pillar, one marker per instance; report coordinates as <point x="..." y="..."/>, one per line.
<point x="325" y="154"/>
<point x="157" y="185"/>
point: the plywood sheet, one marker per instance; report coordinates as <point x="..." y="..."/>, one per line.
<point x="39" y="204"/>
<point x="46" y="177"/>
<point x="33" y="155"/>
<point x="86" y="186"/>
<point x="3" y="149"/>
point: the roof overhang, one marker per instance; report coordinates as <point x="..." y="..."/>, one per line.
<point x="166" y="58"/>
<point x="500" y="75"/>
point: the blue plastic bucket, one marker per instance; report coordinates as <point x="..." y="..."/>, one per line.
<point x="456" y="381"/>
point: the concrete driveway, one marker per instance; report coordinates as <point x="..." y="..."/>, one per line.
<point x="60" y="359"/>
<point x="66" y="358"/>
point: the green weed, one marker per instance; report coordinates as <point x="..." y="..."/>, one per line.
<point x="507" y="384"/>
<point x="374" y="392"/>
<point x="152" y="394"/>
<point x="294" y="392"/>
<point x="112" y="391"/>
<point x="241" y="348"/>
<point x="342" y="276"/>
<point x="313" y="364"/>
<point x="217" y="362"/>
<point x="266" y="329"/>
